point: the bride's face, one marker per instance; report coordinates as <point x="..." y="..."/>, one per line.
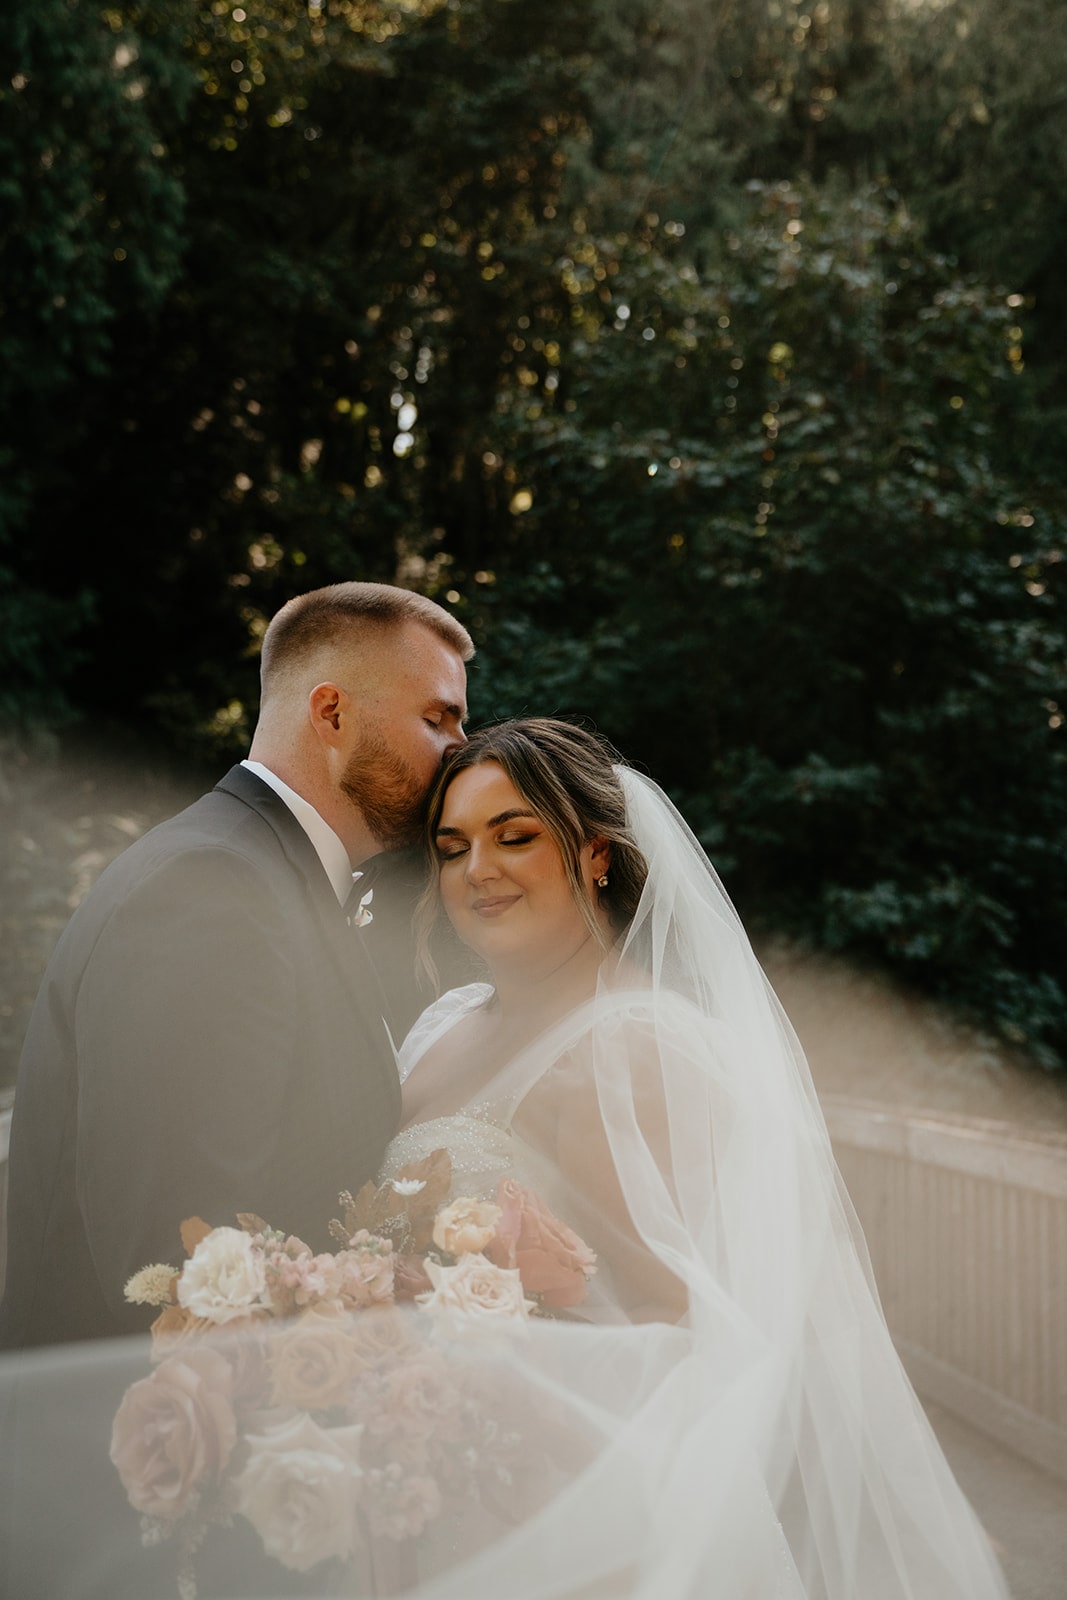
<point x="503" y="883"/>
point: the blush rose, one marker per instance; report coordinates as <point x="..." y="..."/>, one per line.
<point x="478" y="1289"/>
<point x="174" y="1432"/>
<point x="313" y="1362"/>
<point x="552" y="1261"/>
<point x="380" y="1338"/>
<point x="466" y="1226"/>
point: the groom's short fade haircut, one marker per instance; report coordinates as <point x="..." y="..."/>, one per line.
<point x="342" y="610"/>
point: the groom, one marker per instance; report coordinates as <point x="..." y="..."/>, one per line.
<point x="209" y="1035"/>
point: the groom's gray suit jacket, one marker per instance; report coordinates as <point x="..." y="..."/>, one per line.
<point x="208" y="1039"/>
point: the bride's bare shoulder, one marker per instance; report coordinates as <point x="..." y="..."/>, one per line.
<point x="467" y="1033"/>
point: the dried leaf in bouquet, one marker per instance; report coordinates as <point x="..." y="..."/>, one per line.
<point x="433" y="1175"/>
<point x="403" y="1208"/>
<point x="249" y="1222"/>
<point x="349" y="1223"/>
<point x="193" y="1229"/>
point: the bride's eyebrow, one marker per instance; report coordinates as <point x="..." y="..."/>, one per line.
<point x="492" y="822"/>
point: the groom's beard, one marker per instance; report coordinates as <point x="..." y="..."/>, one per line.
<point x="390" y="794"/>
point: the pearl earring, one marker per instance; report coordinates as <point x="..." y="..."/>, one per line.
<point x="602" y="883"/>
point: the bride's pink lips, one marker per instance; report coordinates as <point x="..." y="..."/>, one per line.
<point x="494" y="905"/>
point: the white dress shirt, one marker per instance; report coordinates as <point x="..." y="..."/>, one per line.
<point x="328" y="847"/>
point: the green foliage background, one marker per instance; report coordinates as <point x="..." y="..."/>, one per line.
<point x="707" y="356"/>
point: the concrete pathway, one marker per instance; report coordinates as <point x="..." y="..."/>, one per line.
<point x="866" y="1038"/>
<point x="1023" y="1509"/>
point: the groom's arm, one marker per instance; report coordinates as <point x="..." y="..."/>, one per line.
<point x="184" y="1029"/>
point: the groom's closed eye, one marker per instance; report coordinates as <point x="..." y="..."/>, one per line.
<point x="440" y="711"/>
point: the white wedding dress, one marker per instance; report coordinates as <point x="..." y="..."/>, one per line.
<point x="743" y="1427"/>
<point x="481" y="1149"/>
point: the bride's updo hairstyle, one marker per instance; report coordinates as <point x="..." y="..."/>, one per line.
<point x="567" y="777"/>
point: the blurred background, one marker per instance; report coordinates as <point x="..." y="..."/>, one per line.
<point x="707" y="358"/>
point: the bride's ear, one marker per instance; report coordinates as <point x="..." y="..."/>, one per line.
<point x="600" y="860"/>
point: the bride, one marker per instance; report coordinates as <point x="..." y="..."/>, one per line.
<point x="718" y="1413"/>
<point x="756" y="1434"/>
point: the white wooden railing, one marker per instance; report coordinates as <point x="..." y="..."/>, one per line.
<point x="966" y="1223"/>
<point x="5" y="1135"/>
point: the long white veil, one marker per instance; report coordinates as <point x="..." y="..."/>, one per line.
<point x="722" y="1414"/>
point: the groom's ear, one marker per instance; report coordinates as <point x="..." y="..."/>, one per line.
<point x="327" y="707"/>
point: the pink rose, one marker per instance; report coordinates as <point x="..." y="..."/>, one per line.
<point x="551" y="1259"/>
<point x="174" y="1432"/>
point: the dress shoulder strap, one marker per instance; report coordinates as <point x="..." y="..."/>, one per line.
<point x="441" y="1015"/>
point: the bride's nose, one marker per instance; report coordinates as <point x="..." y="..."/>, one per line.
<point x="481" y="866"/>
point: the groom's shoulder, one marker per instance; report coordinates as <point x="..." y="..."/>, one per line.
<point x="231" y="812"/>
<point x="229" y="821"/>
<point x="225" y="810"/>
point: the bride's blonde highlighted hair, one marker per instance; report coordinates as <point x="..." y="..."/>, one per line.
<point x="567" y="777"/>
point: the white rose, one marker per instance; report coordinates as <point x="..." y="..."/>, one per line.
<point x="475" y="1287"/>
<point x="224" y="1277"/>
<point x="299" y="1489"/>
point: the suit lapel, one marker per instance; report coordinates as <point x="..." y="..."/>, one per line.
<point x="357" y="981"/>
<point x="295" y="844"/>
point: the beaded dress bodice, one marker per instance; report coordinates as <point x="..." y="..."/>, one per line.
<point x="479" y="1139"/>
<point x="481" y="1149"/>
<point x="482" y="1152"/>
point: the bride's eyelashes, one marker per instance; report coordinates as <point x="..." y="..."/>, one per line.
<point x="454" y="851"/>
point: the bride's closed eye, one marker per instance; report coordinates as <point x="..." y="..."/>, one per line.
<point x="455" y="848"/>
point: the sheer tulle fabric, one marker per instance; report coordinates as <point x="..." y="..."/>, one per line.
<point x="723" y="1415"/>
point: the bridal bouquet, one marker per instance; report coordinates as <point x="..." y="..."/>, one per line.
<point x="289" y="1388"/>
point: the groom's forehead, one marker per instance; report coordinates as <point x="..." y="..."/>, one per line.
<point x="430" y="652"/>
<point x="409" y="653"/>
<point x="425" y="665"/>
